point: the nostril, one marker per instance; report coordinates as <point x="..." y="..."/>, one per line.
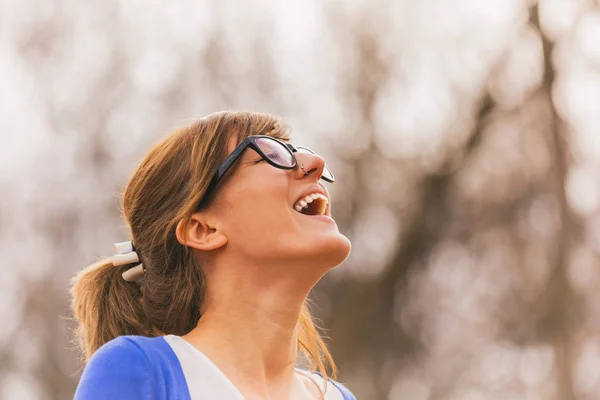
<point x="309" y="171"/>
<point x="302" y="168"/>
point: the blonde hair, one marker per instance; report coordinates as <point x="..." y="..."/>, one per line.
<point x="167" y="187"/>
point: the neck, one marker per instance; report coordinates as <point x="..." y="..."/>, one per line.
<point x="249" y="328"/>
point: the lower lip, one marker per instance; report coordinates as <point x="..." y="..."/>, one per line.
<point x="321" y="217"/>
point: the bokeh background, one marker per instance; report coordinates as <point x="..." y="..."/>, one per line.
<point x="464" y="135"/>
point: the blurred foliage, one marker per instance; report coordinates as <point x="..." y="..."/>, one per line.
<point x="463" y="135"/>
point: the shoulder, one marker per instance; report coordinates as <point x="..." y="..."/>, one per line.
<point x="122" y="352"/>
<point x="128" y="367"/>
<point x="335" y="390"/>
<point x="127" y="351"/>
<point x="119" y="368"/>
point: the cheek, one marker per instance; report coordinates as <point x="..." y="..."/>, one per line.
<point x="261" y="231"/>
<point x="257" y="211"/>
<point x="265" y="229"/>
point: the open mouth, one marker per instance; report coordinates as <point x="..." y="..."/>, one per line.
<point x="312" y="204"/>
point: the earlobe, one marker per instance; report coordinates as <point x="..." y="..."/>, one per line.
<point x="199" y="234"/>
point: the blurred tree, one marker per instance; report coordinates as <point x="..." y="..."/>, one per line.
<point x="445" y="123"/>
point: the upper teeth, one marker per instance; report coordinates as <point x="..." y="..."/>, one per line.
<point x="304" y="201"/>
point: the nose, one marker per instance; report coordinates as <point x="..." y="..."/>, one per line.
<point x="312" y="163"/>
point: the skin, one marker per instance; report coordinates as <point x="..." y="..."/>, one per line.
<point x="261" y="259"/>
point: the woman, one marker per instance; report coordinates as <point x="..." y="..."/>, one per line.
<point x="231" y="228"/>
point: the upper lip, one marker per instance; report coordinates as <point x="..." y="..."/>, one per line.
<point x="316" y="188"/>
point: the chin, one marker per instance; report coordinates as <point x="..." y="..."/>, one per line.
<point x="332" y="251"/>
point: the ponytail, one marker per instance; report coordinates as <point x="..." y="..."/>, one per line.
<point x="106" y="306"/>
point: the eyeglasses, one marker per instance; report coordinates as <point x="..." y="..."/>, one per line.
<point x="278" y="154"/>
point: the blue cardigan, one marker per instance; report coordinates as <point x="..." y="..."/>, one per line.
<point x="137" y="367"/>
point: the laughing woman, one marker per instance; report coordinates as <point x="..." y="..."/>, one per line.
<point x="230" y="229"/>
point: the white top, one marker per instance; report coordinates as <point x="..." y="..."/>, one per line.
<point x="206" y="381"/>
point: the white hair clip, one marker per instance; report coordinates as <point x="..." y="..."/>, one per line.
<point x="126" y="254"/>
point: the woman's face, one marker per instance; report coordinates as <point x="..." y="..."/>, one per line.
<point x="258" y="211"/>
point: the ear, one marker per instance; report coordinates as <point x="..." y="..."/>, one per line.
<point x="200" y="234"/>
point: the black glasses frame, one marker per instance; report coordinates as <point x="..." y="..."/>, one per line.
<point x="250" y="142"/>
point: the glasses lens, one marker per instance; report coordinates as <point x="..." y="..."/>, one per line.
<point x="327" y="174"/>
<point x="276" y="152"/>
